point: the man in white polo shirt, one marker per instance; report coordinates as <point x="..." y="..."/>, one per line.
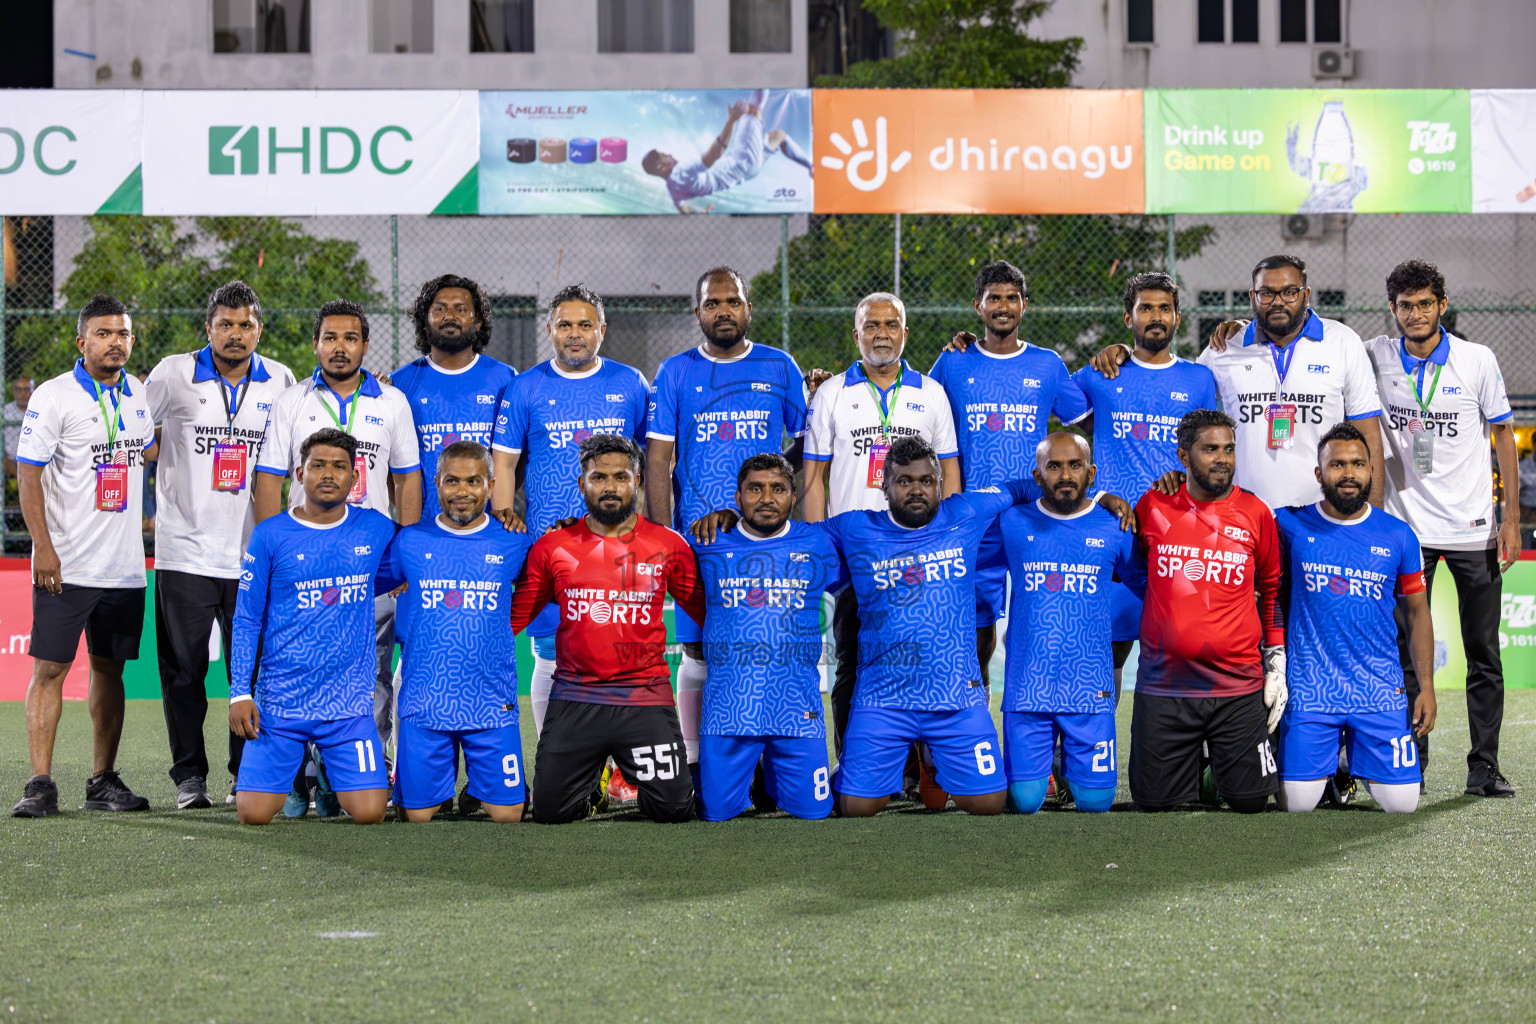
<point x="80" y="461"/>
<point x="210" y="409"/>
<point x="854" y="417"/>
<point x="1443" y="397"/>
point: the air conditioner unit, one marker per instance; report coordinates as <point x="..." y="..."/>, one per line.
<point x="1333" y="62"/>
<point x="1302" y="225"/>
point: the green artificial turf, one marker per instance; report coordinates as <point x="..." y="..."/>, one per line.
<point x="1340" y="915"/>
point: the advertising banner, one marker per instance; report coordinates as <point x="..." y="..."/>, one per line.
<point x="1308" y="151"/>
<point x="978" y="151"/>
<point x="1517" y="629"/>
<point x="702" y="151"/>
<point x="70" y="151"/>
<point x="310" y="152"/>
<point x="1504" y="150"/>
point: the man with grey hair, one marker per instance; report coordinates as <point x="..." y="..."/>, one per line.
<point x="854" y="418"/>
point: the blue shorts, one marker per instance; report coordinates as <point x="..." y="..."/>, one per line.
<point x="1380" y="746"/>
<point x="1125" y="613"/>
<point x="991" y="577"/>
<point x="1087" y="746"/>
<point x="350" y="747"/>
<point x="427" y="765"/>
<point x="688" y="631"/>
<point x="963" y="744"/>
<point x="546" y="622"/>
<point x="794" y="767"/>
<point x="544" y="647"/>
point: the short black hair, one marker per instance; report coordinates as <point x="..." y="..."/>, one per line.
<point x="233" y="295"/>
<point x="1151" y="281"/>
<point x="720" y="271"/>
<point x="998" y="272"/>
<point x="599" y="445"/>
<point x="577" y="293"/>
<point x="771" y="462"/>
<point x="1340" y="432"/>
<point x="341" y="307"/>
<point x="909" y="448"/>
<point x="99" y="305"/>
<point x="1276" y="262"/>
<point x="328" y="437"/>
<point x="1411" y="275"/>
<point x="464" y="449"/>
<point x="428" y="295"/>
<point x="1197" y="420"/>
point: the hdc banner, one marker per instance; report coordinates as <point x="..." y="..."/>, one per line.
<point x="1308" y="151"/>
<point x="69" y="151"/>
<point x="1504" y="150"/>
<point x="313" y="152"/>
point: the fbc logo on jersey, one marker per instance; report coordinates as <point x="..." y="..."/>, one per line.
<point x="327" y="592"/>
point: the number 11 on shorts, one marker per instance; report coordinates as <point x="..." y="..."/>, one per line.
<point x="365" y="761"/>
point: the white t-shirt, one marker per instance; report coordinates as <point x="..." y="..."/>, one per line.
<point x="1328" y="378"/>
<point x="198" y="529"/>
<point x="377" y="415"/>
<point x="65" y="432"/>
<point x="1452" y="506"/>
<point x="845" y="422"/>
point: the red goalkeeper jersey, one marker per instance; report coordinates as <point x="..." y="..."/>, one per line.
<point x="1201" y="628"/>
<point x="611" y="641"/>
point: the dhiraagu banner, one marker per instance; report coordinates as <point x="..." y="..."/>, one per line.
<point x="70" y="151"/>
<point x="1308" y="151"/>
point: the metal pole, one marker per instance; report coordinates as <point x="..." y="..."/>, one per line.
<point x="1169" y="257"/>
<point x="896" y="268"/>
<point x="394" y="285"/>
<point x="784" y="281"/>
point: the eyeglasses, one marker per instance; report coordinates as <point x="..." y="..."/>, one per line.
<point x="1423" y="307"/>
<point x="1267" y="296"/>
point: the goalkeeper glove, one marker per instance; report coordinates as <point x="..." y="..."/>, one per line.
<point x="1275" y="692"/>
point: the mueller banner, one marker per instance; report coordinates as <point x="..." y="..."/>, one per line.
<point x="978" y="151"/>
<point x="70" y="151"/>
<point x="311" y="152"/>
<point x="704" y="151"/>
<point x="1308" y="151"/>
<point x="1504" y="151"/>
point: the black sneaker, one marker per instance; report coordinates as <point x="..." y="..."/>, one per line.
<point x="192" y="794"/>
<point x="1486" y="780"/>
<point x="39" y="799"/>
<point x="106" y="792"/>
<point x="467" y="804"/>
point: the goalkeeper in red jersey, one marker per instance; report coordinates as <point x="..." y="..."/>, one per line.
<point x="609" y="575"/>
<point x="1212" y="670"/>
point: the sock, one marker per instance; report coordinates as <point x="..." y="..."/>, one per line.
<point x="1301" y="797"/>
<point x="1094" y="801"/>
<point x="1026" y="797"/>
<point x="792" y="150"/>
<point x="691" y="674"/>
<point x="538" y="689"/>
<point x="1395" y="799"/>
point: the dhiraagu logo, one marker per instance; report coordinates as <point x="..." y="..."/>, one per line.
<point x="329" y="149"/>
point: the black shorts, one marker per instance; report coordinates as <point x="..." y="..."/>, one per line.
<point x="645" y="741"/>
<point x="112" y="617"/>
<point x="1166" y="738"/>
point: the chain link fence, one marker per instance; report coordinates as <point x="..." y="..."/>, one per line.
<point x="806" y="274"/>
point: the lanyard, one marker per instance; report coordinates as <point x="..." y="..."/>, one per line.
<point x="1418" y="385"/>
<point x="114" y="423"/>
<point x="236" y="398"/>
<point x="882" y="409"/>
<point x="344" y="424"/>
<point x="1282" y="359"/>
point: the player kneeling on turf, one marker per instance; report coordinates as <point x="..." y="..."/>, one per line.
<point x="1348" y="567"/>
<point x="458" y="658"/>
<point x="305" y="601"/>
<point x="763" y="584"/>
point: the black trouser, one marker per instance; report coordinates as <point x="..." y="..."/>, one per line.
<point x="845" y="641"/>
<point x="186" y="608"/>
<point x="1479" y="596"/>
<point x="645" y="741"/>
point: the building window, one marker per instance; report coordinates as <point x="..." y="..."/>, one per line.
<point x="500" y="26"/>
<point x="1293" y="21"/>
<point x="1245" y="21"/>
<point x="1138" y="21"/>
<point x="401" y="26"/>
<point x="645" y="26"/>
<point x="1327" y="21"/>
<point x="1211" y="21"/>
<point x="760" y="26"/>
<point x="260" y="26"/>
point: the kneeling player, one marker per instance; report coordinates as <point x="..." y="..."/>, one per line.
<point x="1348" y="565"/>
<point x="458" y="659"/>
<point x="763" y="584"/>
<point x="305" y="602"/>
<point x="1063" y="552"/>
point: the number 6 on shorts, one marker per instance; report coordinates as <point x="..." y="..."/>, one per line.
<point x="985" y="762"/>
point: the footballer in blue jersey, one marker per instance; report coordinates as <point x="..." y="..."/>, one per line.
<point x="305" y="603"/>
<point x="454" y="388"/>
<point x="1063" y="552"/>
<point x="1348" y="568"/>
<point x="763" y="587"/>
<point x="458" y="657"/>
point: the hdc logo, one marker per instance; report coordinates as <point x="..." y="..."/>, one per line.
<point x="853" y="166"/>
<point x="236" y="149"/>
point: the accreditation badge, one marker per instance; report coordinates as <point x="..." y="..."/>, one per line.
<point x="359" y="492"/>
<point x="1423" y="447"/>
<point x="1281" y="418"/>
<point x="877" y="452"/>
<point x="229" y="466"/>
<point x="111" y="486"/>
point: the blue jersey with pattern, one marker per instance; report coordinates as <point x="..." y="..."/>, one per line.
<point x="1136" y="419"/>
<point x="449" y="406"/>
<point x="1058" y="644"/>
<point x="306" y="597"/>
<point x="917" y="601"/>
<point x="545" y="416"/>
<point x="457" y="655"/>
<point x="1002" y="407"/>
<point x="720" y="413"/>
<point x="1342" y="580"/>
<point x="762" y="630"/>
